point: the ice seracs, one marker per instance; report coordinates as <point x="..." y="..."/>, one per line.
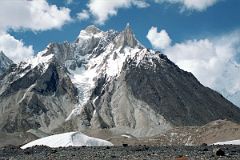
<point x="74" y="139"/>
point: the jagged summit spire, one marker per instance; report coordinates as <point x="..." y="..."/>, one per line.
<point x="128" y="26"/>
<point x="128" y="29"/>
<point x="127" y="37"/>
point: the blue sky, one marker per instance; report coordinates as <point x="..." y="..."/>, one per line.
<point x="200" y="36"/>
<point x="220" y="18"/>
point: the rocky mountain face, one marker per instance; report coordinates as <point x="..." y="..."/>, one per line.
<point x="105" y="80"/>
<point x="154" y="93"/>
<point x="35" y="97"/>
<point x="175" y="94"/>
<point x="5" y="63"/>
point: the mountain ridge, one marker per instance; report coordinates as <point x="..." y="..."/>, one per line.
<point x="105" y="80"/>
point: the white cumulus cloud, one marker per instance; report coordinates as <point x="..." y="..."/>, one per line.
<point x="103" y="9"/>
<point x="84" y="15"/>
<point x="198" y="5"/>
<point x="140" y="3"/>
<point x="35" y="15"/>
<point x="15" y="49"/>
<point x="159" y="40"/>
<point x="211" y="60"/>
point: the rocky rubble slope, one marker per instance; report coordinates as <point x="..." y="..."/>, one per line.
<point x="127" y="152"/>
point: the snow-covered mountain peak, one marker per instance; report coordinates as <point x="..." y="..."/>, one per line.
<point x="87" y="34"/>
<point x="96" y="56"/>
<point x="105" y="79"/>
<point x="40" y="60"/>
<point x="92" y="29"/>
<point x="39" y="63"/>
<point x="90" y="32"/>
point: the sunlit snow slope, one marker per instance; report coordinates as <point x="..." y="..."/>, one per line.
<point x="68" y="139"/>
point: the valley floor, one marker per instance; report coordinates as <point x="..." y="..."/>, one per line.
<point x="123" y="152"/>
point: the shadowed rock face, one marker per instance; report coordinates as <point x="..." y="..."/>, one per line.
<point x="49" y="84"/>
<point x="155" y="93"/>
<point x="37" y="99"/>
<point x="176" y="94"/>
<point x="5" y="63"/>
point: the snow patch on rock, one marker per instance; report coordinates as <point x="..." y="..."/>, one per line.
<point x="68" y="139"/>
<point x="233" y="142"/>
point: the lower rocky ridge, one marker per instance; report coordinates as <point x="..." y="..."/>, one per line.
<point x="216" y="131"/>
